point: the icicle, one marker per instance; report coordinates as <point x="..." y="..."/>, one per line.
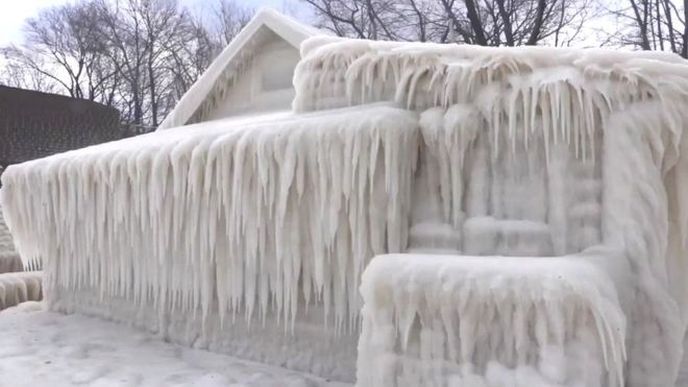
<point x="234" y="203"/>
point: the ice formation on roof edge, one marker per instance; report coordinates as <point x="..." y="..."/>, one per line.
<point x="144" y="218"/>
<point x="334" y="72"/>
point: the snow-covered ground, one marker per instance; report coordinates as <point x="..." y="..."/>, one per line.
<point x="40" y="348"/>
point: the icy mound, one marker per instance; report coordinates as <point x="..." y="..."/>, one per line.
<point x="489" y="321"/>
<point x="16" y="288"/>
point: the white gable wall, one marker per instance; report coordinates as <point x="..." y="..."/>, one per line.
<point x="266" y="85"/>
<point x="233" y="87"/>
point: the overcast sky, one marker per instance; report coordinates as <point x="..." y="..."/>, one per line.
<point x="15" y="12"/>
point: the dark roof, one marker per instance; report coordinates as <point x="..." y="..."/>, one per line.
<point x="35" y="124"/>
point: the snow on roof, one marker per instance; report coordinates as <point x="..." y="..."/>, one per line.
<point x="229" y="59"/>
<point x="421" y="75"/>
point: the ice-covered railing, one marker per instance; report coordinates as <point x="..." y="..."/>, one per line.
<point x="249" y="216"/>
<point x="439" y="320"/>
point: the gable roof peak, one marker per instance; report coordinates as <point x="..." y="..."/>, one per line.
<point x="290" y="30"/>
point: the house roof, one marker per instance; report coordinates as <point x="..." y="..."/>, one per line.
<point x="285" y="27"/>
<point x="35" y="124"/>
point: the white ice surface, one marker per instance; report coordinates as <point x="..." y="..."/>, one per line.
<point x="40" y="348"/>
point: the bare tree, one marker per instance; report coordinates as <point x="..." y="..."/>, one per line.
<point x="137" y="55"/>
<point x="211" y="28"/>
<point x="482" y="22"/>
<point x="653" y="25"/>
<point x="16" y="74"/>
<point x="160" y="49"/>
<point x="224" y="20"/>
<point x="62" y="46"/>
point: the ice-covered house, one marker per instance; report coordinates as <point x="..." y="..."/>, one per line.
<point x="526" y="208"/>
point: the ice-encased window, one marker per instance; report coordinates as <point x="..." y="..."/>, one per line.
<point x="483" y="192"/>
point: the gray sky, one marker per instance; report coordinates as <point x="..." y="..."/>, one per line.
<point x="15" y="12"/>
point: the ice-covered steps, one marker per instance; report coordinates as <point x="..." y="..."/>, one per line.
<point x="431" y="320"/>
<point x="16" y="288"/>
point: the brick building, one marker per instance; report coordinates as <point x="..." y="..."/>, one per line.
<point x="35" y="124"/>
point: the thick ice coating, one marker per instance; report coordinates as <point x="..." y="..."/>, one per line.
<point x="246" y="216"/>
<point x="555" y="151"/>
<point x="435" y="320"/>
